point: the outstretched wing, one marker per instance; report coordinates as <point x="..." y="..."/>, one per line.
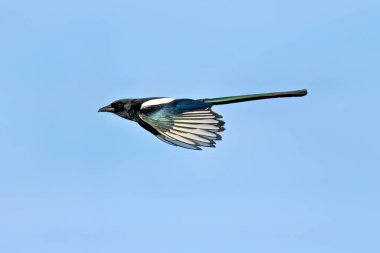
<point x="182" y="122"/>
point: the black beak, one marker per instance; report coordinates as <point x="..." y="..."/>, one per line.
<point x="107" y="108"/>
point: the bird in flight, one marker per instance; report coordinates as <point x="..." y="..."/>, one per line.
<point x="185" y="123"/>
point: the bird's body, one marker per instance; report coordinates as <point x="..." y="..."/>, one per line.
<point x="185" y="123"/>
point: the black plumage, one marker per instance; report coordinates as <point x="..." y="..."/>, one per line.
<point x="185" y="123"/>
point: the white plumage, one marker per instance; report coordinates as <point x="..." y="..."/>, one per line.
<point x="157" y="101"/>
<point x="194" y="129"/>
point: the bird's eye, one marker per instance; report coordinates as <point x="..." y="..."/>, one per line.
<point x="118" y="106"/>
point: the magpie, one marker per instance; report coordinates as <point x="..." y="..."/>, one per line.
<point x="185" y="123"/>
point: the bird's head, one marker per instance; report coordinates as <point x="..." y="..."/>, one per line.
<point x="120" y="107"/>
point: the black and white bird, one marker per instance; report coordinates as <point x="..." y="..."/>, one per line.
<point x="185" y="123"/>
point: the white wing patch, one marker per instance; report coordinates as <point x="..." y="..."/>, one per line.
<point x="205" y="111"/>
<point x="197" y="131"/>
<point x="157" y="101"/>
<point x="194" y="129"/>
<point x="197" y="121"/>
<point x="197" y="126"/>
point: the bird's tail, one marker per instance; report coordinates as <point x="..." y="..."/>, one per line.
<point x="244" y="98"/>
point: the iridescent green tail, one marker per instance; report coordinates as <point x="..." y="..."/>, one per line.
<point x="243" y="98"/>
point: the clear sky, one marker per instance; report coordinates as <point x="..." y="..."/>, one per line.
<point x="291" y="175"/>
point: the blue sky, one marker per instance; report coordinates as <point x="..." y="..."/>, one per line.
<point x="291" y="175"/>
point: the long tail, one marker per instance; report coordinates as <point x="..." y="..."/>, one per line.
<point x="243" y="98"/>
